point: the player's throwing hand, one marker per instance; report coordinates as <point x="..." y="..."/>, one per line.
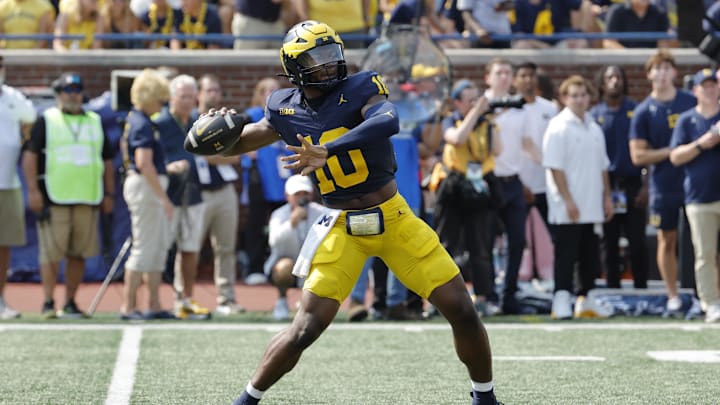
<point x="307" y="157"/>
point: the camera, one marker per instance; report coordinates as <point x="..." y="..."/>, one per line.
<point x="516" y="101"/>
<point x="303" y="202"/>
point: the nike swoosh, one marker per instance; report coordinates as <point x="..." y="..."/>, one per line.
<point x="202" y="129"/>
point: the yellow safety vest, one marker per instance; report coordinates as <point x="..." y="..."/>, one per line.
<point x="73" y="157"/>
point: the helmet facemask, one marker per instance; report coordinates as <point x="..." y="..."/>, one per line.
<point x="322" y="67"/>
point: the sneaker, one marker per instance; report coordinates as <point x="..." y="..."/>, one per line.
<point x="484" y="399"/>
<point x="191" y="309"/>
<point x="256" y="279"/>
<point x="561" y="305"/>
<point x="713" y="313"/>
<point x="401" y="313"/>
<point x="132" y="316"/>
<point x="673" y="308"/>
<point x="71" y="311"/>
<point x="6" y="312"/>
<point x="589" y="308"/>
<point x="48" y="310"/>
<point x="357" y="312"/>
<point x="281" y="312"/>
<point x="229" y="308"/>
<point x="246" y="399"/>
<point x="162" y="314"/>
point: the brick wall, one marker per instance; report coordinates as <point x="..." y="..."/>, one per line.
<point x="239" y="72"/>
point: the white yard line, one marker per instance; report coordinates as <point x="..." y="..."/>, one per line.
<point x="400" y="326"/>
<point x="123" y="377"/>
<point x="548" y="358"/>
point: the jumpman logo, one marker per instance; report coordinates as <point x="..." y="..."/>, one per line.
<point x="342" y="99"/>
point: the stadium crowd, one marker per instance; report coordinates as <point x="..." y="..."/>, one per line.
<point x="260" y="24"/>
<point x="580" y="169"/>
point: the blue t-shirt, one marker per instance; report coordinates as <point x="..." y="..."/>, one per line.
<point x="405" y="145"/>
<point x="141" y="133"/>
<point x="654" y="122"/>
<point x="347" y="174"/>
<point x="526" y="14"/>
<point x="702" y="174"/>
<point x="183" y="188"/>
<point x="269" y="165"/>
<point x="560" y="11"/>
<point x="616" y="127"/>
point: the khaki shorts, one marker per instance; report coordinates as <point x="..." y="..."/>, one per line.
<point x="12" y="218"/>
<point x="186" y="227"/>
<point x="150" y="226"/>
<point x="71" y="231"/>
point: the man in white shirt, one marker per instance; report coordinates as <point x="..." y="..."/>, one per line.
<point x="538" y="112"/>
<point x="511" y="127"/>
<point x="575" y="157"/>
<point x="15" y="110"/>
<point x="289" y="225"/>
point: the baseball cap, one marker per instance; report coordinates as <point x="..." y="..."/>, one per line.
<point x="704" y="74"/>
<point x="459" y="87"/>
<point x="68" y="80"/>
<point x="297" y="183"/>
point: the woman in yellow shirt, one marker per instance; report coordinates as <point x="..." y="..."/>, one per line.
<point x="79" y="17"/>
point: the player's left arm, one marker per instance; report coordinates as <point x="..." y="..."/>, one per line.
<point x="380" y="121"/>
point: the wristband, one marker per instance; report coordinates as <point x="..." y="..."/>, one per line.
<point x="699" y="147"/>
<point x="109" y="194"/>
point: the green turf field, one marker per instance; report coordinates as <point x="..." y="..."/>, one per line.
<point x="371" y="363"/>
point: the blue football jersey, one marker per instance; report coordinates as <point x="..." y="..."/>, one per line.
<point x="348" y="174"/>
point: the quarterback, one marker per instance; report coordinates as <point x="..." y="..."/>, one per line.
<point x="338" y="128"/>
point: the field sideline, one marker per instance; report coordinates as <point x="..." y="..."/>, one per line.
<point x="607" y="362"/>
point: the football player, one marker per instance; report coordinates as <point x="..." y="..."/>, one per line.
<point x="339" y="128"/>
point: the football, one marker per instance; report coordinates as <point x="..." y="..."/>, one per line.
<point x="211" y="135"/>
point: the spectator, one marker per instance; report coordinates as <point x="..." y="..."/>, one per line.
<point x="69" y="173"/>
<point x="463" y="196"/>
<point x="217" y="177"/>
<point x="160" y="18"/>
<point x="483" y="18"/>
<point x="259" y="17"/>
<point x="539" y="111"/>
<point x="16" y="113"/>
<point x="263" y="188"/>
<point x="512" y="127"/>
<point x="119" y="19"/>
<point x="289" y="225"/>
<point x="636" y="16"/>
<point x="225" y="10"/>
<point x="144" y="191"/>
<point x="532" y="17"/>
<point x="78" y="17"/>
<point x="348" y="17"/>
<point x="650" y="130"/>
<point x="26" y="17"/>
<point x="627" y="185"/>
<point x="578" y="197"/>
<point x="173" y="123"/>
<point x="198" y="18"/>
<point x="694" y="145"/>
<point x="425" y="13"/>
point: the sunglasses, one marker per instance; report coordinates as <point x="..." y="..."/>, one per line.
<point x="73" y="89"/>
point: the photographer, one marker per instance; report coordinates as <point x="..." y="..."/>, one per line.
<point x="694" y="145"/>
<point x="289" y="225"/>
<point x="463" y="194"/>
